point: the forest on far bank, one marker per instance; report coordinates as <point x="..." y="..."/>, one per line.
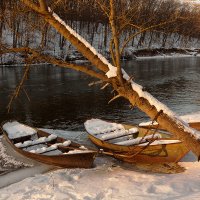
<point x="156" y="24"/>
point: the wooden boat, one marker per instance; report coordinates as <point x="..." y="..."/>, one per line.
<point x="135" y="144"/>
<point x="47" y="148"/>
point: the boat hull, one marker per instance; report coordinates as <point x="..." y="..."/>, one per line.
<point x="162" y="153"/>
<point x="74" y="160"/>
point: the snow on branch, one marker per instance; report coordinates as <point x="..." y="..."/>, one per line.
<point x="160" y="106"/>
<point x="112" y="72"/>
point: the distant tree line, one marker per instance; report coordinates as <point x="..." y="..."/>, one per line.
<point x="155" y="21"/>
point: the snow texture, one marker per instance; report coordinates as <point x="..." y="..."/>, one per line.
<point x="108" y="180"/>
<point x="160" y="142"/>
<point x="118" y="133"/>
<point x="148" y="123"/>
<point x="8" y="162"/>
<point x="193" y="117"/>
<point x="139" y="140"/>
<point x="115" y="180"/>
<point x="98" y="126"/>
<point x="50" y="148"/>
<point x="78" y="151"/>
<point x="44" y="149"/>
<point x="16" y="130"/>
<point x="34" y="142"/>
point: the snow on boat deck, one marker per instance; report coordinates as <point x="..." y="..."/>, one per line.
<point x="110" y="131"/>
<point x="15" y="129"/>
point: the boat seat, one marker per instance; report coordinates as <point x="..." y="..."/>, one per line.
<point x="43" y="150"/>
<point x="139" y="140"/>
<point x="40" y="140"/>
<point x="53" y="153"/>
<point x="50" y="148"/>
<point x="107" y="131"/>
<point x="161" y="142"/>
<point x="118" y="133"/>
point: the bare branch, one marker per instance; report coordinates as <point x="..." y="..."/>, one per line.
<point x="19" y="87"/>
<point x="104" y="86"/>
<point x="144" y="30"/>
<point x="31" y="5"/>
<point x="114" y="98"/>
<point x="113" y="23"/>
<point x="95" y="83"/>
<point x="56" y="61"/>
<point x="43" y="5"/>
<point x="103" y="7"/>
<point x="26" y="94"/>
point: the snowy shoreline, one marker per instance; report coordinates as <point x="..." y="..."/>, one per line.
<point x="130" y="54"/>
<point x="116" y="180"/>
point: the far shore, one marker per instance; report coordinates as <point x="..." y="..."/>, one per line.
<point x="130" y="54"/>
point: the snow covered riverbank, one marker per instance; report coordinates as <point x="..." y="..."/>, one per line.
<point x="108" y="179"/>
<point x="130" y="53"/>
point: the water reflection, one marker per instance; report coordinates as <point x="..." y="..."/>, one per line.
<point x="61" y="98"/>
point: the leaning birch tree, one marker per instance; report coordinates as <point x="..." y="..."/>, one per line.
<point x="112" y="74"/>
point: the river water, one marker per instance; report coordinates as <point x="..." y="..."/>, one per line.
<point x="61" y="98"/>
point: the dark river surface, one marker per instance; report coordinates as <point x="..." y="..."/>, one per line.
<point x="61" y="98"/>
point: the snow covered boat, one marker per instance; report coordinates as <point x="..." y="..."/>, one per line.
<point x="46" y="148"/>
<point x="135" y="144"/>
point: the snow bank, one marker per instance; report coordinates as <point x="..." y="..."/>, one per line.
<point x="7" y="162"/>
<point x="175" y="55"/>
<point x="109" y="179"/>
<point x="192" y="117"/>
